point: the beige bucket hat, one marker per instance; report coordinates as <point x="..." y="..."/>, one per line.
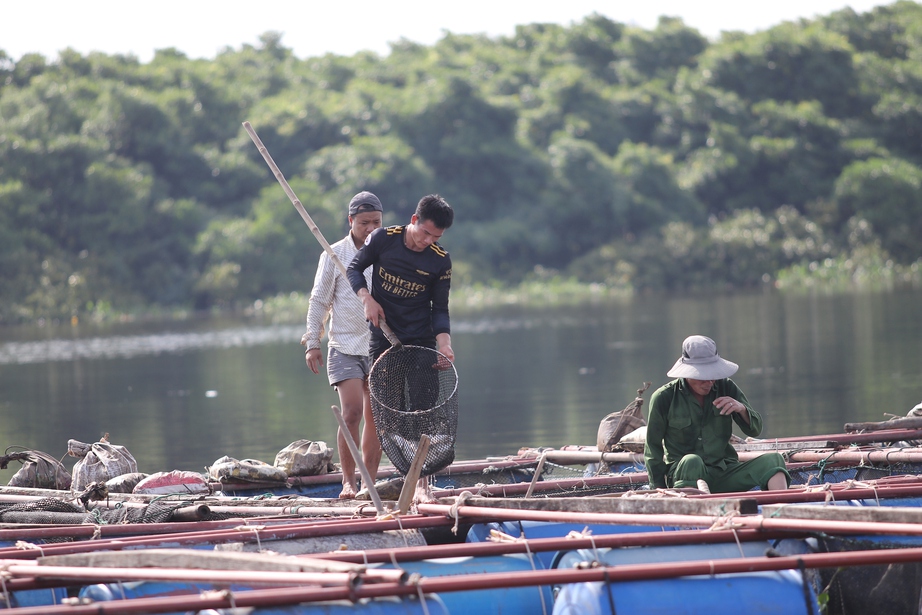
<point x="700" y="361"/>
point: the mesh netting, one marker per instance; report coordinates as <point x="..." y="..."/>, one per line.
<point x="414" y="391"/>
<point x="884" y="588"/>
<point x="822" y="473"/>
<point x="54" y="511"/>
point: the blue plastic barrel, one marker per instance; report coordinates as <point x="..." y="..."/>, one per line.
<point x="766" y="593"/>
<point x="36" y="597"/>
<point x="501" y="601"/>
<point x="105" y="592"/>
<point x="772" y="592"/>
<point x="541" y="529"/>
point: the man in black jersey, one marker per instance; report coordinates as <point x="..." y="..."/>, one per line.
<point x="410" y="281"/>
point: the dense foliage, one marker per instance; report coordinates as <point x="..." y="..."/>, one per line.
<point x="646" y="159"/>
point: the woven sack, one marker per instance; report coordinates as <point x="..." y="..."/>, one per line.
<point x="305" y="458"/>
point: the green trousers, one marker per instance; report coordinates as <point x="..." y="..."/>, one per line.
<point x="740" y="476"/>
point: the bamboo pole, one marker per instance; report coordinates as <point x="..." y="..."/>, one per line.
<point x="754" y="522"/>
<point x="113" y="575"/>
<point x="245" y="534"/>
<point x="855" y="457"/>
<point x="524" y="545"/>
<point x="359" y="462"/>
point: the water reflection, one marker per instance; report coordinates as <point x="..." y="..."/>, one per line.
<point x="182" y="398"/>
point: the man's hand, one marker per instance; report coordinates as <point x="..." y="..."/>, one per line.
<point x="314" y="359"/>
<point x="727" y="405"/>
<point x="444" y="342"/>
<point x="373" y="310"/>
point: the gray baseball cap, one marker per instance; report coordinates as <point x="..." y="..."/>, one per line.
<point x="363" y="202"/>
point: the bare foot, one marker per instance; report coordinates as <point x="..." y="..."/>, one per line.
<point x="348" y="492"/>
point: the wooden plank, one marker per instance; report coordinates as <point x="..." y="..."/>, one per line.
<point x="872" y="514"/>
<point x="908" y="422"/>
<point x="197" y="559"/>
<point x="409" y="485"/>
<point x="567" y="458"/>
<point x="784" y="446"/>
<point x="627" y="505"/>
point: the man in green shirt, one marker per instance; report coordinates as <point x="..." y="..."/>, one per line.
<point x="690" y="424"/>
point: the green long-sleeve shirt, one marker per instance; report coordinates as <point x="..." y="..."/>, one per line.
<point x="679" y="426"/>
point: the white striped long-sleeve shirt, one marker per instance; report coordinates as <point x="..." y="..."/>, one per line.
<point x="332" y="295"/>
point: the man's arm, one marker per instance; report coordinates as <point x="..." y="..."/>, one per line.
<point x="321" y="303"/>
<point x="653" y="451"/>
<point x="441" y="321"/>
<point x="365" y="258"/>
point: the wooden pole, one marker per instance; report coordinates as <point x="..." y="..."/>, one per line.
<point x="388" y="333"/>
<point x="908" y="422"/>
<point x="359" y="462"/>
<point x="409" y="483"/>
<point x="534" y="479"/>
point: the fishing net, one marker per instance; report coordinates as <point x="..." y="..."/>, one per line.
<point x="55" y="511"/>
<point x="414" y="391"/>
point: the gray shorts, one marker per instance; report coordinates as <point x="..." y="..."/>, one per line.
<point x="342" y="366"/>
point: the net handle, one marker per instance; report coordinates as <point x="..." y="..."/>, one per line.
<point x="388" y="333"/>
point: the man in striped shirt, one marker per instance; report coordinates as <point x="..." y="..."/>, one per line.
<point x="348" y="361"/>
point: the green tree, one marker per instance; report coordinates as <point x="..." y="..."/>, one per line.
<point x="885" y="192"/>
<point x="790" y="63"/>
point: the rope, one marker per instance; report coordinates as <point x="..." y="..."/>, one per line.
<point x="611" y="598"/>
<point x="220" y="593"/>
<point x="827" y="487"/>
<point x="808" y="595"/>
<point x="821" y="464"/>
<point x="255" y="529"/>
<point x="497" y="536"/>
<point x="531" y="560"/>
<point x="394" y="560"/>
<point x="357" y="511"/>
<point x="98" y="516"/>
<point x="724" y="522"/>
<point x="857" y="484"/>
<point x="403" y="533"/>
<point x="422" y="599"/>
<point x="454" y="511"/>
<point x="737" y="539"/>
<point x="6" y="593"/>
<point x="22" y="544"/>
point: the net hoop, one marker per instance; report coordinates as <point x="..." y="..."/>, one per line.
<point x="376" y="399"/>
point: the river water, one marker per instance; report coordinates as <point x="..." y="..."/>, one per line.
<point x="181" y="395"/>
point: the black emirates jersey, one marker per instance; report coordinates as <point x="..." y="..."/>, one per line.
<point x="412" y="287"/>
